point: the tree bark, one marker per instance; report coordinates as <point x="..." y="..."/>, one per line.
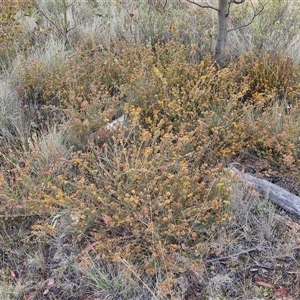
<point x="275" y="193"/>
<point x="223" y="17"/>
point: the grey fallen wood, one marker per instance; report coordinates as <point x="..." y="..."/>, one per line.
<point x="120" y="122"/>
<point x="275" y="193"/>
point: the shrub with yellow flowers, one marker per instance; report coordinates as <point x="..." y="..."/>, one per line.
<point x="147" y="189"/>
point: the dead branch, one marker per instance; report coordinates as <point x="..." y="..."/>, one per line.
<point x="234" y="255"/>
<point x="275" y="193"/>
<point x="256" y="13"/>
<point x="202" y="6"/>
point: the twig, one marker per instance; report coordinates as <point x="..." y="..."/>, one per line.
<point x="48" y="19"/>
<point x="253" y="17"/>
<point x="139" y="278"/>
<point x="233" y="255"/>
<point x="202" y="6"/>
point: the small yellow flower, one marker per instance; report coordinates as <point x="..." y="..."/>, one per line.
<point x="82" y="180"/>
<point x="60" y="196"/>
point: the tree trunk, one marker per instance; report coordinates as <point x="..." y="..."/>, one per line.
<point x="275" y="193"/>
<point x="223" y="17"/>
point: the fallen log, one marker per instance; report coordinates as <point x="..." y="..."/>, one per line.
<point x="275" y="193"/>
<point x="120" y="122"/>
